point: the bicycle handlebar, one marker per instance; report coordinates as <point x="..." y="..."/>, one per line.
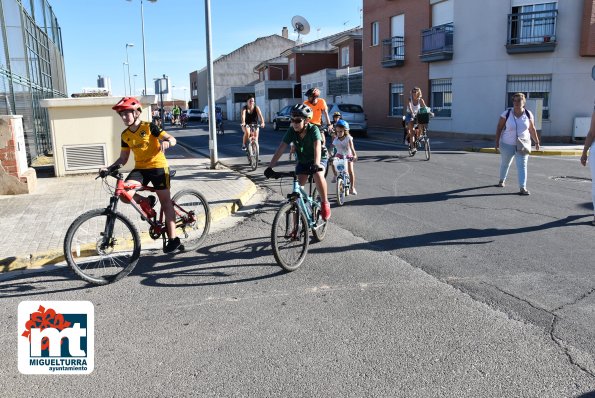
<point x="280" y="174"/>
<point x="110" y="171"/>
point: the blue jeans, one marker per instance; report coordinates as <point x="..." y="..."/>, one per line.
<point x="592" y="166"/>
<point x="506" y="154"/>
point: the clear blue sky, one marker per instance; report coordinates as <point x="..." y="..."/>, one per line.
<point x="95" y="33"/>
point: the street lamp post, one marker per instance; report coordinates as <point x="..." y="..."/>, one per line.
<point x="124" y="71"/>
<point x="128" y="63"/>
<point x="142" y="21"/>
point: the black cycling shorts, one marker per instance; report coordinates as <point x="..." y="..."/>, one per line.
<point x="159" y="177"/>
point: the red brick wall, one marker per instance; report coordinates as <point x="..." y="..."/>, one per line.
<point x="308" y="63"/>
<point x="588" y="29"/>
<point x="356" y="53"/>
<point x="8" y="159"/>
<point x="377" y="79"/>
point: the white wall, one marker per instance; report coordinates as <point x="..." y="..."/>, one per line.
<point x="480" y="66"/>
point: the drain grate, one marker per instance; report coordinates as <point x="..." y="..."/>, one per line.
<point x="570" y="179"/>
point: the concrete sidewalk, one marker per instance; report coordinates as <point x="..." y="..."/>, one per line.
<point x="471" y="144"/>
<point x="33" y="226"/>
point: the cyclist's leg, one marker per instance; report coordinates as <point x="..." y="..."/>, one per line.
<point x="168" y="210"/>
<point x="351" y="175"/>
<point x="245" y="136"/>
<point x="256" y="131"/>
<point x="135" y="177"/>
<point x="160" y="180"/>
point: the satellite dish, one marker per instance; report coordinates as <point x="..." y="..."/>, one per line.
<point x="300" y="25"/>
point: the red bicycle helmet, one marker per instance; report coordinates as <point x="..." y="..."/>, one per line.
<point x="313" y="92"/>
<point x="127" y="103"/>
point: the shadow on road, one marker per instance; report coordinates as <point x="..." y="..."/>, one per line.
<point x="213" y="265"/>
<point x="427" y="197"/>
<point x="454" y="236"/>
<point x="23" y="286"/>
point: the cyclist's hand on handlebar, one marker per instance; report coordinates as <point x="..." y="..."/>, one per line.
<point x="269" y="172"/>
<point x="315" y="168"/>
<point x="105" y="171"/>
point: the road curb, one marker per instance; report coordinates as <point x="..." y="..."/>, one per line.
<point x="546" y="152"/>
<point x="52" y="257"/>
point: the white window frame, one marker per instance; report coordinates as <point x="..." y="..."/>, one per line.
<point x="445" y="109"/>
<point x="344" y="56"/>
<point x="375" y="33"/>
<point x="396" y="89"/>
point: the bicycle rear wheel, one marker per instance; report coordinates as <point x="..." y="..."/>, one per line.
<point x="102" y="247"/>
<point x="340" y="191"/>
<point x="193" y="218"/>
<point x="253" y="148"/>
<point x="319" y="231"/>
<point x="427" y="148"/>
<point x="289" y="237"/>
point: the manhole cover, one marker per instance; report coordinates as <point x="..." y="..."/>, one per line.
<point x="571" y="179"/>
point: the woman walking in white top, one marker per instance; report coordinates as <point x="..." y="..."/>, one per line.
<point x="515" y="123"/>
<point x="591" y="158"/>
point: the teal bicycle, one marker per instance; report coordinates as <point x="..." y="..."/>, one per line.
<point x="293" y="222"/>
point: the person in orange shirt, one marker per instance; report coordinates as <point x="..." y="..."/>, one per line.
<point x="319" y="108"/>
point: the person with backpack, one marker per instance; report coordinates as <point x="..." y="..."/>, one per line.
<point x="588" y="156"/>
<point x="515" y="124"/>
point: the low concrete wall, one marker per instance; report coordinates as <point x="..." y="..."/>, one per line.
<point x="87" y="123"/>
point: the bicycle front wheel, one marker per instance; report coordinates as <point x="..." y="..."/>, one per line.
<point x="193" y="218"/>
<point x="289" y="237"/>
<point x="319" y="231"/>
<point x="253" y="156"/>
<point x="427" y="148"/>
<point x="340" y="191"/>
<point x="102" y="247"/>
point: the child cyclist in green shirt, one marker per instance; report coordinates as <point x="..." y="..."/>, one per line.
<point x="148" y="142"/>
<point x="308" y="145"/>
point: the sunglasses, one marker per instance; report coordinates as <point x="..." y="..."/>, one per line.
<point x="296" y="120"/>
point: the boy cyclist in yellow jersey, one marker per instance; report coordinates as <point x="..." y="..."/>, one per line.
<point x="148" y="142"/>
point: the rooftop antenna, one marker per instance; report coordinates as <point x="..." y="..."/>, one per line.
<point x="300" y="25"/>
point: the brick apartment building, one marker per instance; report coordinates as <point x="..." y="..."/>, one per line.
<point x="469" y="56"/>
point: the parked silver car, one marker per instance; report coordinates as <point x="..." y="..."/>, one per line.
<point x="352" y="114"/>
<point x="194" y="115"/>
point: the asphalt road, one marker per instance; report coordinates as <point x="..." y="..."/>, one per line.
<point x="431" y="283"/>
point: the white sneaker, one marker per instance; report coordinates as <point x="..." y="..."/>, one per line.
<point x="353" y="192"/>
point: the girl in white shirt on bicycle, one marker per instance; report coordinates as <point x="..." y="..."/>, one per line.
<point x="343" y="143"/>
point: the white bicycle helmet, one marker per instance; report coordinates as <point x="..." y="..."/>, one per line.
<point x="301" y="110"/>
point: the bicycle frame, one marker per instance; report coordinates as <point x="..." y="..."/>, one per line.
<point x="299" y="195"/>
<point x="341" y="164"/>
<point x="122" y="191"/>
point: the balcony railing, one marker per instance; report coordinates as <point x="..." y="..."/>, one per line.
<point x="393" y="52"/>
<point x="436" y="43"/>
<point x="532" y="32"/>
